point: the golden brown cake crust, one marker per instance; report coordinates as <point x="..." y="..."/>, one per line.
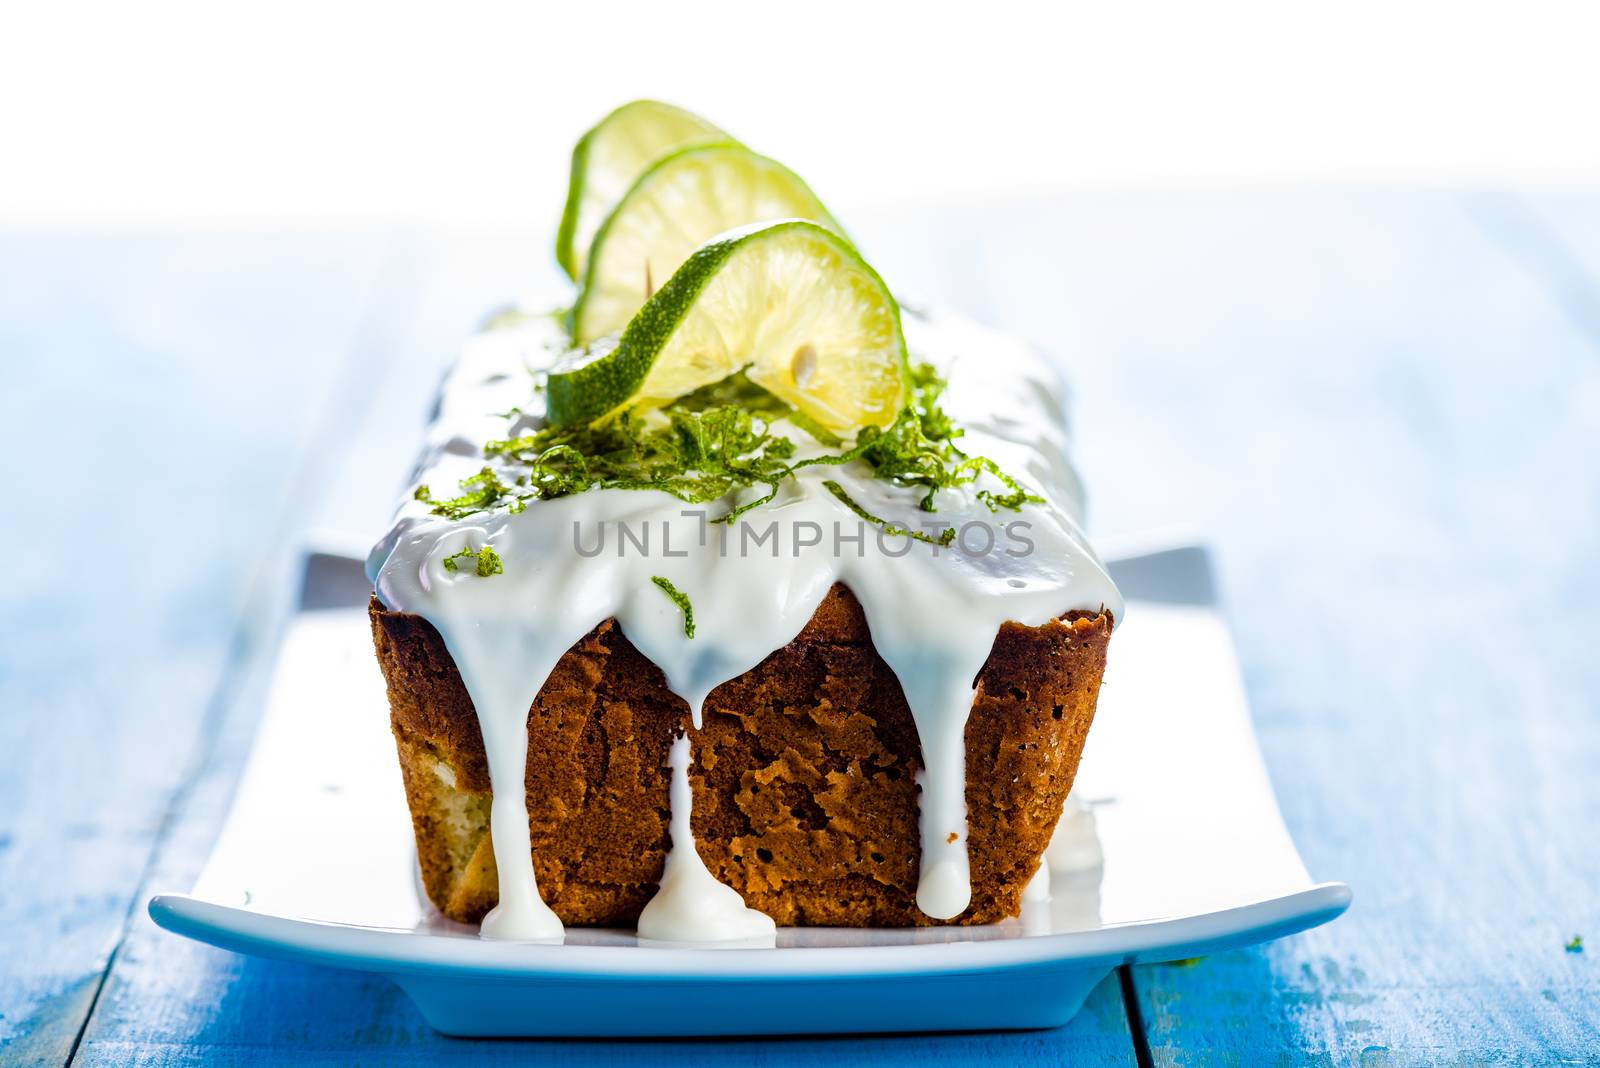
<point x="803" y="776"/>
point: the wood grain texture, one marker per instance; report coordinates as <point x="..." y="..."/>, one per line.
<point x="194" y="1005"/>
<point x="1385" y="408"/>
<point x="1387" y="414"/>
<point x="167" y="1001"/>
<point x="152" y="402"/>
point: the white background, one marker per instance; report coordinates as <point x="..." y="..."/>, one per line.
<point x="460" y="116"/>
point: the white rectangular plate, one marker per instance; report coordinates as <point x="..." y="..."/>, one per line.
<point x="316" y="861"/>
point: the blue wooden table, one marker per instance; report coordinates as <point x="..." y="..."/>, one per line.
<point x="1382" y="408"/>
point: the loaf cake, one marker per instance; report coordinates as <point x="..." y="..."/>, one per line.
<point x="714" y="653"/>
<point x="805" y="801"/>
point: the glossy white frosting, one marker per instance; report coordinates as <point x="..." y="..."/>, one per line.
<point x="1038" y="888"/>
<point x="1075" y="846"/>
<point x="690" y="905"/>
<point x="933" y="613"/>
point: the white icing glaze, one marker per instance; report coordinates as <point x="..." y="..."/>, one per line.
<point x="568" y="566"/>
<point x="690" y="905"/>
<point x="1075" y="845"/>
<point x="1038" y="888"/>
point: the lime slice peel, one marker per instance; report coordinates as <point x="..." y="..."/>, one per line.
<point x="682" y="200"/>
<point x="790" y="302"/>
<point x="607" y="159"/>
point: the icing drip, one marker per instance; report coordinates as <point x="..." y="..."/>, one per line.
<point x="691" y="905"/>
<point x="1075" y="846"/>
<point x="1038" y="888"/>
<point x="572" y="562"/>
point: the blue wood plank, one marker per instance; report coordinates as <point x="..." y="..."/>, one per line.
<point x="152" y="405"/>
<point x="1387" y="417"/>
<point x="168" y="1002"/>
<point x="1556" y="235"/>
<point x="228" y="1010"/>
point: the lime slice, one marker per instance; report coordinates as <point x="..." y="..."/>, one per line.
<point x="682" y="201"/>
<point x="791" y="301"/>
<point x="608" y="158"/>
